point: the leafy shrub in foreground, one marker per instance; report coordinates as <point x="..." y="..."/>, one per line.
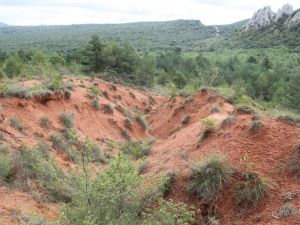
<point x="208" y="178"/>
<point x="109" y="199"/>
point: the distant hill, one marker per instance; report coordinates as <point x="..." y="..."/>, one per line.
<point x="189" y="35"/>
<point x="186" y="34"/>
<point x="3" y="24"/>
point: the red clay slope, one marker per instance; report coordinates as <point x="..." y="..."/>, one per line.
<point x="177" y="145"/>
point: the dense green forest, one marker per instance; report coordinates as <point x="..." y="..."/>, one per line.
<point x="189" y="35"/>
<point x="269" y="75"/>
<point x="186" y="34"/>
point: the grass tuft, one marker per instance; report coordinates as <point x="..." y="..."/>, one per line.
<point x="256" y="125"/>
<point x="185" y="119"/>
<point x="67" y="119"/>
<point x="294" y="162"/>
<point x="251" y="191"/>
<point x="142" y="120"/>
<point x="136" y="149"/>
<point x="208" y="178"/>
<point x="17" y="123"/>
<point x="96" y="104"/>
<point x="108" y="108"/>
<point x="45" y="122"/>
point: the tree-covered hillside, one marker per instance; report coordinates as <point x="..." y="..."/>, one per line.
<point x="274" y="35"/>
<point x="186" y="34"/>
<point x="189" y="35"/>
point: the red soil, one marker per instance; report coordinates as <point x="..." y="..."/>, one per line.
<point x="176" y="147"/>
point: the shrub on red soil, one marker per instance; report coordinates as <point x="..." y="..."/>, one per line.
<point x="294" y="162"/>
<point x="208" y="178"/>
<point x="251" y="191"/>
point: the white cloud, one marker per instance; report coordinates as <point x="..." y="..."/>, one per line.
<point x="36" y="12"/>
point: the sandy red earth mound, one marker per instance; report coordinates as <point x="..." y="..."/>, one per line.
<point x="176" y="125"/>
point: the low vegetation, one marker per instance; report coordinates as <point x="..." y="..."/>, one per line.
<point x="294" y="162"/>
<point x="227" y="121"/>
<point x="249" y="192"/>
<point x="142" y="120"/>
<point x="208" y="127"/>
<point x="209" y="178"/>
<point x="136" y="149"/>
<point x="17" y="123"/>
<point x="67" y="120"/>
<point x="96" y="104"/>
<point x="256" y="125"/>
<point x="39" y="166"/>
<point x="5" y="165"/>
<point x="45" y="122"/>
<point x="143" y="165"/>
<point x="215" y="108"/>
<point x="108" y="108"/>
<point x="185" y="119"/>
<point x="169" y="213"/>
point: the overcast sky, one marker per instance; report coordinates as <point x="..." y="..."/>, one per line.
<point x="38" y="12"/>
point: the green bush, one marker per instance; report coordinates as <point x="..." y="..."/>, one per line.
<point x="294" y="162"/>
<point x="99" y="155"/>
<point x="45" y="122"/>
<point x="209" y="123"/>
<point x="185" y="119"/>
<point x="209" y="126"/>
<point x="166" y="183"/>
<point x="96" y="104"/>
<point x="93" y="92"/>
<point x="245" y="109"/>
<point x="56" y="83"/>
<point x="208" y="178"/>
<point x="37" y="165"/>
<point x="61" y="143"/>
<point x="170" y="213"/>
<point x="67" y="94"/>
<point x="18" y="91"/>
<point x="227" y="121"/>
<point x="109" y="199"/>
<point x="58" y="141"/>
<point x="256" y="125"/>
<point x="172" y="90"/>
<point x="251" y="191"/>
<point x="67" y="119"/>
<point x="5" y="165"/>
<point x="215" y="108"/>
<point x="136" y="149"/>
<point x="142" y="167"/>
<point x="141" y="120"/>
<point x="17" y="123"/>
<point x="125" y="133"/>
<point x="108" y="108"/>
